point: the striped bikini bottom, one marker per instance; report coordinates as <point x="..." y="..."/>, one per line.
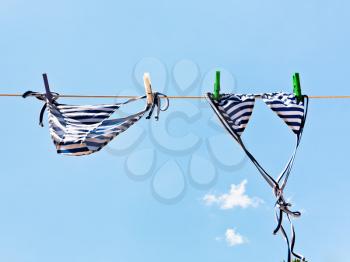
<point x="78" y="130"/>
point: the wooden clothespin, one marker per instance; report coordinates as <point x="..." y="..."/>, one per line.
<point x="217" y="86"/>
<point x="47" y="88"/>
<point x="296" y="87"/>
<point x="148" y="88"/>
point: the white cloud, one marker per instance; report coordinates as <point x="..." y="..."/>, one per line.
<point x="233" y="238"/>
<point x="235" y="198"/>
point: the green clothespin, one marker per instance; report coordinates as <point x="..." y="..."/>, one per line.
<point x="217" y="86"/>
<point x="296" y="87"/>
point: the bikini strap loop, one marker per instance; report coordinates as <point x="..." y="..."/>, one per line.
<point x="156" y="102"/>
<point x="41" y="97"/>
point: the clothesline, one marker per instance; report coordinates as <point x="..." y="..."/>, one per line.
<point x="170" y="97"/>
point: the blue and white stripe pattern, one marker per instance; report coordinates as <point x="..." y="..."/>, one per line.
<point x="235" y="109"/>
<point x="288" y="108"/>
<point x="82" y="130"/>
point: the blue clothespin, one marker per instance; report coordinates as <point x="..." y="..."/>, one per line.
<point x="47" y="88"/>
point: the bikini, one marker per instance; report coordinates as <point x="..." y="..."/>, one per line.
<point x="78" y="130"/>
<point x="234" y="112"/>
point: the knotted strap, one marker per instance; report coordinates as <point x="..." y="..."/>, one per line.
<point x="41" y="97"/>
<point x="157" y="97"/>
<point x="282" y="208"/>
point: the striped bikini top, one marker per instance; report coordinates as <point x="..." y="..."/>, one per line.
<point x="234" y="112"/>
<point x="78" y="130"/>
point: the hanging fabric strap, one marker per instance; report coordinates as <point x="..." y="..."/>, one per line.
<point x="294" y="114"/>
<point x="41" y="97"/>
<point x="230" y="109"/>
<point x="157" y="97"/>
<point x="281" y="206"/>
<point x="156" y="103"/>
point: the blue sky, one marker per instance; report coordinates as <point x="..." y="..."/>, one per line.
<point x="141" y="198"/>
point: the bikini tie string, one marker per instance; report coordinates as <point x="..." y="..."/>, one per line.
<point x="156" y="102"/>
<point x="281" y="210"/>
<point x="41" y="97"/>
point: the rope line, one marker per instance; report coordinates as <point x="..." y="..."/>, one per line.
<point x="170" y="97"/>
